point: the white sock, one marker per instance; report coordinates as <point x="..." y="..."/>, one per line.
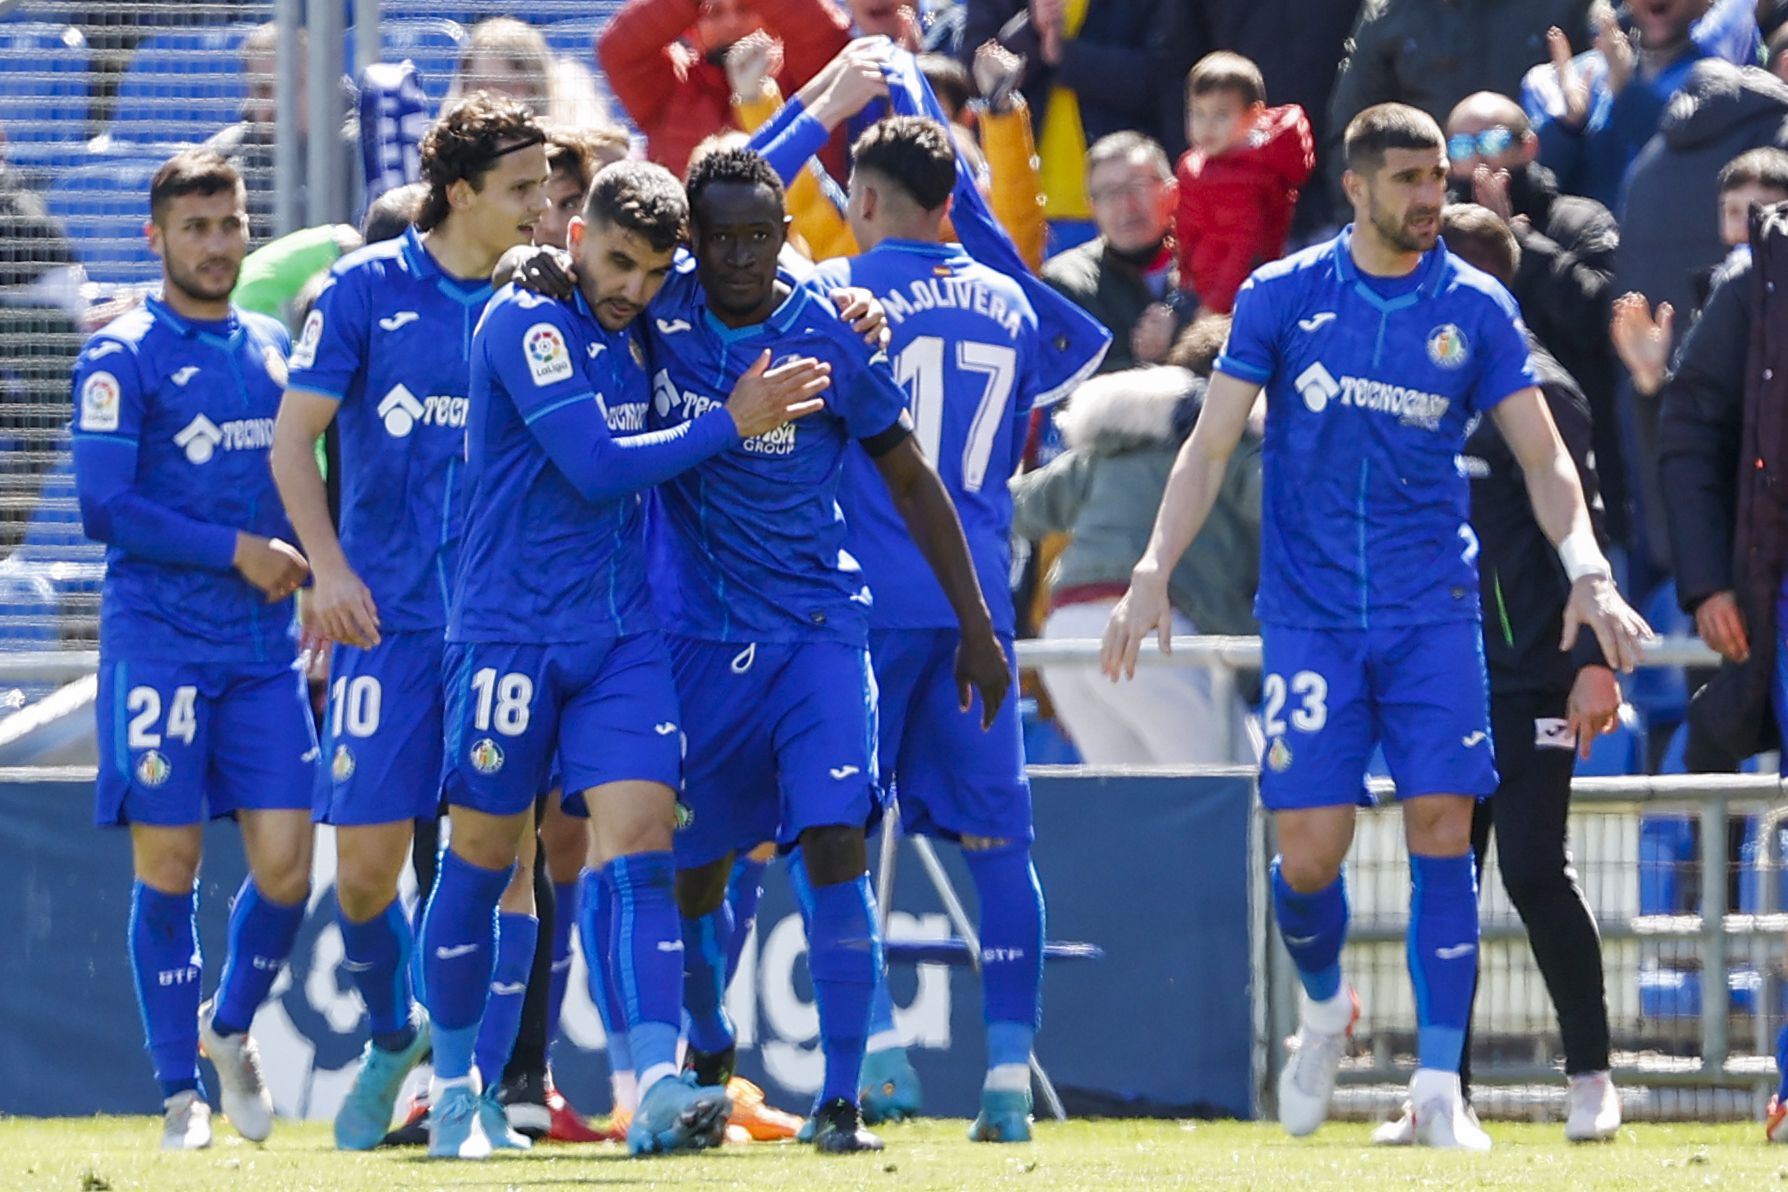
<point x="1330" y="1017"/>
<point x="1430" y="1083"/>
<point x="625" y="1090"/>
<point x="1008" y="1078"/>
<point x="652" y="1076"/>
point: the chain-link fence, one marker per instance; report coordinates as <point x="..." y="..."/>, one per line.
<point x="94" y="95"/>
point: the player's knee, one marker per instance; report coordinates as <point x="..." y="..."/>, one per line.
<point x="833" y="854"/>
<point x="168" y="870"/>
<point x="1306" y="874"/>
<point x="701" y="890"/>
<point x="363" y="896"/>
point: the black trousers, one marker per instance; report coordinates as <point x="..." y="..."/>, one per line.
<point x="1528" y="814"/>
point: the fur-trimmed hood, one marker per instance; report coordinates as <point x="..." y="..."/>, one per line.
<point x="1137" y="407"/>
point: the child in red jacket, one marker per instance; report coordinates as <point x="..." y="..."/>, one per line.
<point x="1239" y="181"/>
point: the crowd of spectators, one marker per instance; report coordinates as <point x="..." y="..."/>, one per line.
<point x="1145" y="155"/>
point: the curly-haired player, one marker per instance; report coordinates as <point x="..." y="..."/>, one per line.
<point x="387" y="350"/>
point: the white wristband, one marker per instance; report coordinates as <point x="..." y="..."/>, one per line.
<point x="1581" y="556"/>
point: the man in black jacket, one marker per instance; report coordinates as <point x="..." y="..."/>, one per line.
<point x="1724" y="431"/>
<point x="1542" y="703"/>
<point x="1565" y="277"/>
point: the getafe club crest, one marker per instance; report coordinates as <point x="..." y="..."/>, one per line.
<point x="341" y="766"/>
<point x="1279" y="756"/>
<point x="153" y="769"/>
<point x="487" y="756"/>
<point x="1447" y="346"/>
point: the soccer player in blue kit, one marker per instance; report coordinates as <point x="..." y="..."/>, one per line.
<point x="554" y="653"/>
<point x="1376" y="351"/>
<point x="964" y="345"/>
<point x="202" y="711"/>
<point x="769" y="618"/>
<point x="387" y="351"/>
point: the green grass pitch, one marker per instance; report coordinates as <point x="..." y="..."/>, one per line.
<point x="116" y="1154"/>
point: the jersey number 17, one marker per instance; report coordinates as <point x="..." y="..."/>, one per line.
<point x="920" y="368"/>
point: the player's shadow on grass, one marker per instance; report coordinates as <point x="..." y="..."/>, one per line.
<point x="617" y="1168"/>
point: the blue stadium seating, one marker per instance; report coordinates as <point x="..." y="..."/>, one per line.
<point x="104" y="205"/>
<point x="43" y="84"/>
<point x="1622" y="751"/>
<point x="1662" y="692"/>
<point x="434" y="44"/>
<point x="182" y="86"/>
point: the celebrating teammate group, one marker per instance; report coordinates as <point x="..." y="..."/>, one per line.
<point x="681" y="536"/>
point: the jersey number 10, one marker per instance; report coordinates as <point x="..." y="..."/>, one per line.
<point x="920" y="368"/>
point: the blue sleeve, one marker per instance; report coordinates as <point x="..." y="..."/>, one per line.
<point x="528" y="348"/>
<point x="331" y="348"/>
<point x="1504" y="364"/>
<point x="108" y="419"/>
<point x="1030" y="383"/>
<point x="791" y="145"/>
<point x="1252" y="351"/>
<point x="866" y="395"/>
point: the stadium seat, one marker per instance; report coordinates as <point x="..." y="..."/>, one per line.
<point x="182" y="86"/>
<point x="104" y="205"/>
<point x="1045" y="744"/>
<point x="434" y="44"/>
<point x="44" y="69"/>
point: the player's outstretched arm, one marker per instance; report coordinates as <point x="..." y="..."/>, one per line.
<point x="1557" y="498"/>
<point x="931" y="519"/>
<point x="339" y="608"/>
<point x="1192" y="489"/>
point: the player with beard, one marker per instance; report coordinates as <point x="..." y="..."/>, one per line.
<point x="1376" y="350"/>
<point x="202" y="712"/>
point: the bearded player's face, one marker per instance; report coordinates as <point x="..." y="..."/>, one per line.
<point x="1402" y="198"/>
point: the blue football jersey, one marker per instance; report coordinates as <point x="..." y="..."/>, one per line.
<point x="965" y="348"/>
<point x="749" y="546"/>
<point x="540" y="563"/>
<point x="390" y="337"/>
<point x="195" y="401"/>
<point x="1366" y="509"/>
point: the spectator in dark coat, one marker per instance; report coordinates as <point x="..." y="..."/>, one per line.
<point x="1129" y="265"/>
<point x="1430" y="54"/>
<point x="1565" y="278"/>
<point x="1722" y="407"/>
<point x="1669" y="225"/>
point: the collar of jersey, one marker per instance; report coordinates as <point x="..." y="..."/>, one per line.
<point x="779" y="322"/>
<point x="425" y="266"/>
<point x="923" y="248"/>
<point x="163" y="313"/>
<point x="1432" y="267"/>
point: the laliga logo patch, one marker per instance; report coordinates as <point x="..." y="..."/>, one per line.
<point x="548" y="358"/>
<point x="304" y="355"/>
<point x="153" y="769"/>
<point x="487" y="756"/>
<point x="99" y="402"/>
<point x="341" y="766"/>
<point x="1447" y="346"/>
<point x="1279" y="756"/>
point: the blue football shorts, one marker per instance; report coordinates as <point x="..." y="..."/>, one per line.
<point x="951" y="778"/>
<point x="382" y="732"/>
<point x="183" y="742"/>
<point x="781" y="739"/>
<point x="1328" y="696"/>
<point x="593" y="712"/>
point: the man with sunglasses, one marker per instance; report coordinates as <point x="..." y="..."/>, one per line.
<point x="1564" y="283"/>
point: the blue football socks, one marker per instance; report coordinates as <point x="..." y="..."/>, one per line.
<point x="1313" y="926"/>
<point x="705" y="943"/>
<point x="743" y="889"/>
<point x="261" y="936"/>
<point x="844" y="953"/>
<point x="1443" y="955"/>
<point x="1012" y="925"/>
<point x="595" y="924"/>
<point x="647" y="965"/>
<point x="165" y="962"/>
<point x="376" y="954"/>
<point x="517" y="937"/>
<point x="459" y="936"/>
<point x="564" y="925"/>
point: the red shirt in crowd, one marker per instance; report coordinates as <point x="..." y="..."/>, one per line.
<point x="1235" y="208"/>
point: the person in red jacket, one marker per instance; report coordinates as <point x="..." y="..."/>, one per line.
<point x="666" y="62"/>
<point x="1239" y="181"/>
